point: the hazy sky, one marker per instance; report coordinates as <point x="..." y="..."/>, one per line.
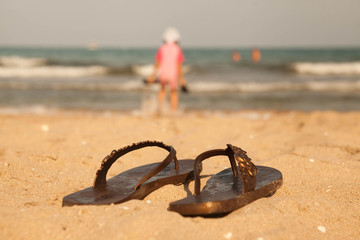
<point x="204" y="23"/>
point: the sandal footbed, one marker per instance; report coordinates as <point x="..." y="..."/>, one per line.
<point x="223" y="193"/>
<point x="120" y="188"/>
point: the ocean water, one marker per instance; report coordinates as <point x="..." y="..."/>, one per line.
<point x="112" y="79"/>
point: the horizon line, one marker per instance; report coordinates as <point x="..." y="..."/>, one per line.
<point x="185" y="47"/>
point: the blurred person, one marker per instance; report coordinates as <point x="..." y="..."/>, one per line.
<point x="168" y="65"/>
<point x="236" y="56"/>
<point x="256" y="55"/>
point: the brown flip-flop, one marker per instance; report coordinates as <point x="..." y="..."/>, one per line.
<point x="228" y="190"/>
<point x="135" y="183"/>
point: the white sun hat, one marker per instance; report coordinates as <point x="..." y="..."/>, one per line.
<point x="171" y="35"/>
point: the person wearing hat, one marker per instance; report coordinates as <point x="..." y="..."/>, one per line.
<point x="168" y="65"/>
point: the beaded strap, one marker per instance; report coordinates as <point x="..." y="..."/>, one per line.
<point x="246" y="168"/>
<point x="100" y="179"/>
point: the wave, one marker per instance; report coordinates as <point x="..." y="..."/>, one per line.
<point x="333" y="86"/>
<point x="77" y="86"/>
<point x="326" y="68"/>
<point x="52" y="71"/>
<point x="21" y="62"/>
<point x="23" y="67"/>
<point x="74" y="71"/>
<point x="195" y="87"/>
<point x="148" y="69"/>
<point x="37" y="109"/>
<point x="306" y="68"/>
<point x="29" y="67"/>
<point x="26" y="67"/>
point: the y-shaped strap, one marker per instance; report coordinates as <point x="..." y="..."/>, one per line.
<point x="100" y="179"/>
<point x="247" y="169"/>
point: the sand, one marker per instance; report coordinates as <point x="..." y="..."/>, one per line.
<point x="44" y="157"/>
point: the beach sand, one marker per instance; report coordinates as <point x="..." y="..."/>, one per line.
<point x="44" y="157"/>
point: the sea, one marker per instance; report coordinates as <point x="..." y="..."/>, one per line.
<point x="44" y="78"/>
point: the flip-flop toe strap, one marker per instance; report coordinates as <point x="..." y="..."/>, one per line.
<point x="247" y="169"/>
<point x="100" y="179"/>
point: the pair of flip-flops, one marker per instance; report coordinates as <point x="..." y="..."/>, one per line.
<point x="224" y="192"/>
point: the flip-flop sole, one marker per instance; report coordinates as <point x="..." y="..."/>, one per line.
<point x="223" y="193"/>
<point x="120" y="188"/>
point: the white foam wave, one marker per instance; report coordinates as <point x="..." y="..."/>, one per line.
<point x="341" y="86"/>
<point x="143" y="70"/>
<point x="33" y="109"/>
<point x="148" y="69"/>
<point x="52" y="71"/>
<point x="21" y="62"/>
<point x="79" y="86"/>
<point x="335" y="86"/>
<point x="242" y="87"/>
<point x="327" y="68"/>
<point x="194" y="87"/>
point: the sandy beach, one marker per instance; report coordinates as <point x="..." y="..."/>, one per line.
<point x="44" y="157"/>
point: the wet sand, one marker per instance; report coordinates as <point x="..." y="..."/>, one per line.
<point x="44" y="157"/>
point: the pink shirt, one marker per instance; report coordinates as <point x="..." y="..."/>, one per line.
<point x="169" y="56"/>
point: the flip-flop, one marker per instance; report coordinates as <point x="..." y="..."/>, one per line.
<point x="228" y="190"/>
<point x="135" y="183"/>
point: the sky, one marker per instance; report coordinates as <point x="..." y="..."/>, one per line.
<point x="202" y="23"/>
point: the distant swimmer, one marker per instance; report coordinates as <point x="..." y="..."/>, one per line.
<point x="256" y="55"/>
<point x="236" y="56"/>
<point x="93" y="45"/>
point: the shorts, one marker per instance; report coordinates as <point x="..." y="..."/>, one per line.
<point x="173" y="83"/>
